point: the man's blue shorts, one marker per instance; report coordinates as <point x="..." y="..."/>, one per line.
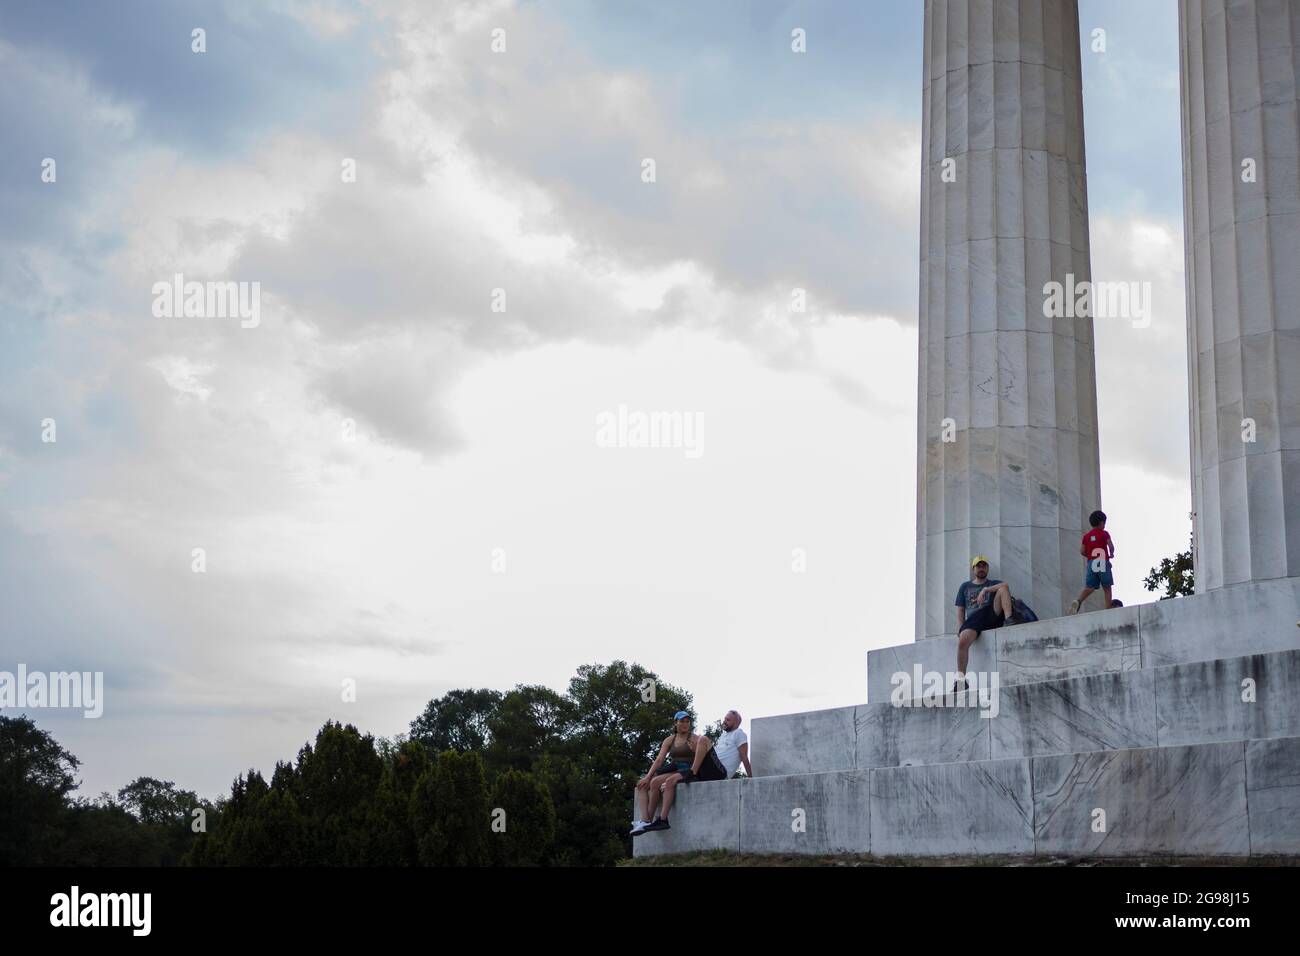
<point x="1098" y="579"/>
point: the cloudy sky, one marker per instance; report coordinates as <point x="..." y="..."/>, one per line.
<point x="473" y="531"/>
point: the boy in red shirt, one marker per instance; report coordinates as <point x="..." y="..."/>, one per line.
<point x="1098" y="548"/>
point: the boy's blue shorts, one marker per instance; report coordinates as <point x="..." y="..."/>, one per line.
<point x="1098" y="579"/>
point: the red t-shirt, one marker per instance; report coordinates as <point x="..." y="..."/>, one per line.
<point x="1096" y="542"/>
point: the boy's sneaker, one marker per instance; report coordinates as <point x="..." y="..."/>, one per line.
<point x="657" y="824"/>
<point x="1074" y="607"/>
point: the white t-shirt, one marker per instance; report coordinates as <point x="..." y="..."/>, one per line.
<point x="728" y="748"/>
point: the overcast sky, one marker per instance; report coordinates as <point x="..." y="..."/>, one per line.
<point x="474" y="533"/>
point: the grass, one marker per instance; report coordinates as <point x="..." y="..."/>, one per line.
<point x="729" y="858"/>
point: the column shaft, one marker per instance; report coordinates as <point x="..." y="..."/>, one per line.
<point x="1240" y="73"/>
<point x="1002" y="99"/>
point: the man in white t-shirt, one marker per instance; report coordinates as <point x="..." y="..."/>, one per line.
<point x="729" y="752"/>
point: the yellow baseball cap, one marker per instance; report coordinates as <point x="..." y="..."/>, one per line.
<point x="978" y="558"/>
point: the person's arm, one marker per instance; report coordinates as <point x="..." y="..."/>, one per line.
<point x="961" y="610"/>
<point x="743" y="749"/>
<point x="1110" y="543"/>
<point x="988" y="592"/>
<point x="658" y="761"/>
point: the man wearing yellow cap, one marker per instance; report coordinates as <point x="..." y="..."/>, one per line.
<point x="983" y="604"/>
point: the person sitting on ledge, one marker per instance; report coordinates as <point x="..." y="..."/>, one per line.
<point x="690" y="758"/>
<point x="988" y="602"/>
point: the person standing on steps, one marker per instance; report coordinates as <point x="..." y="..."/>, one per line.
<point x="1097" y="549"/>
<point x="983" y="604"/>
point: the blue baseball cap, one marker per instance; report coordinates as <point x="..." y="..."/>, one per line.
<point x="680" y="714"/>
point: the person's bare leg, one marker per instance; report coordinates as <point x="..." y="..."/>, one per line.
<point x="655" y="793"/>
<point x="1106" y="593"/>
<point x="1084" y="595"/>
<point x="1004" y="602"/>
<point x="701" y="751"/>
<point x="670" y="791"/>
<point x="964" y="640"/>
<point x="641" y="799"/>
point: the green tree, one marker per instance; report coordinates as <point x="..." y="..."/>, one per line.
<point x="528" y="821"/>
<point x="450" y="812"/>
<point x="277" y="833"/>
<point x="334" y="783"/>
<point x="36" y="776"/>
<point x="456" y="721"/>
<point x="238" y="841"/>
<point x="527" y="722"/>
<point x="590" y="823"/>
<point x="1173" y="575"/>
<point x="390" y="832"/>
<point x="102" y="832"/>
<point x="164" y="810"/>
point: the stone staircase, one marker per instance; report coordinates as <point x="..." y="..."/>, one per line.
<point x="1170" y="728"/>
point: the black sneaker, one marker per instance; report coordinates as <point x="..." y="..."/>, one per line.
<point x="960" y="687"/>
<point x="657" y="824"/>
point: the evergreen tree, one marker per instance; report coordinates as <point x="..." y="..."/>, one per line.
<point x="450" y="812"/>
<point x="526" y="832"/>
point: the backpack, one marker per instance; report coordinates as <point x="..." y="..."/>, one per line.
<point x="1021" y="613"/>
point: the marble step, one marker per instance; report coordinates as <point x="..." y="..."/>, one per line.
<point x="1250" y="697"/>
<point x="1232" y="621"/>
<point x="1230" y="799"/>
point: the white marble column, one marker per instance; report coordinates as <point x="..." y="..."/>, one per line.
<point x="1002" y="99"/>
<point x="1240" y="74"/>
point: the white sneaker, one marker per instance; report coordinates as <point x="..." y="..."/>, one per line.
<point x="1074" y="607"/>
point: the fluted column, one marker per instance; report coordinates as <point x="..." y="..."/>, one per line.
<point x="1240" y="74"/>
<point x="1002" y="99"/>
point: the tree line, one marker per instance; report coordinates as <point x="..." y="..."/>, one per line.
<point x="527" y="777"/>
